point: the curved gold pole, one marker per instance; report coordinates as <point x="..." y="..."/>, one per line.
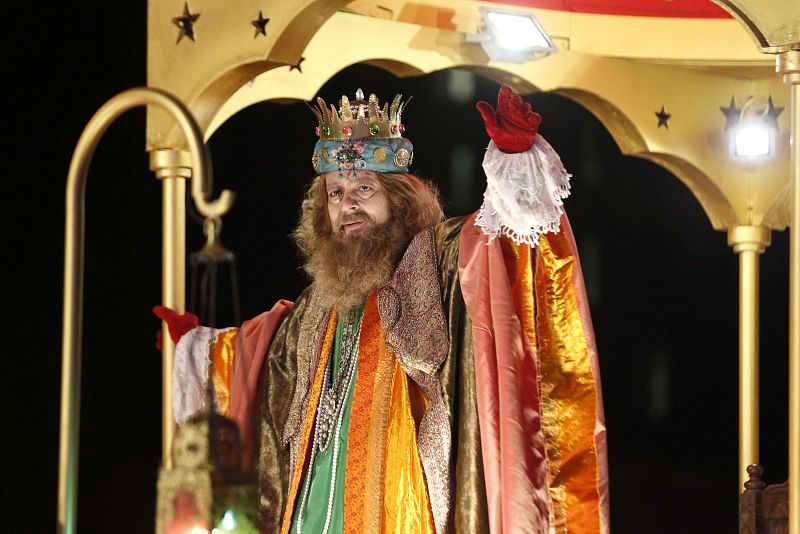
<point x="748" y="242"/>
<point x="788" y="65"/>
<point x="73" y="268"/>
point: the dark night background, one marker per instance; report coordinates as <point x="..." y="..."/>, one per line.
<point x="662" y="283"/>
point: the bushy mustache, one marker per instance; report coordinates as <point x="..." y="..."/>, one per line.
<point x="353" y="217"/>
<point x="347" y="266"/>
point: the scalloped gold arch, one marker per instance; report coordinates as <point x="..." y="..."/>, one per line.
<point x="285" y="85"/>
<point x="614" y="66"/>
<point x="631" y="143"/>
<point x="206" y="71"/>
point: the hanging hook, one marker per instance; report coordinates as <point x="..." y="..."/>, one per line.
<point x="202" y="185"/>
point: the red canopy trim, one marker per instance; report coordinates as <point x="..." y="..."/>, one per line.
<point x="691" y="9"/>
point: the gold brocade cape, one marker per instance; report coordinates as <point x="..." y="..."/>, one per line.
<point x="427" y="328"/>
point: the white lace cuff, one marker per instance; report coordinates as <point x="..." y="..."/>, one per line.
<point x="190" y="373"/>
<point x="524" y="193"/>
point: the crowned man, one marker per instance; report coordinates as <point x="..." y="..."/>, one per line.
<point x="437" y="375"/>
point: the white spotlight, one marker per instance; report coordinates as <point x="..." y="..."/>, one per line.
<point x="753" y="140"/>
<point x="511" y="36"/>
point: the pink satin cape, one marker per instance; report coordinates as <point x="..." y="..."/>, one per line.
<point x="541" y="476"/>
<point x="255" y="337"/>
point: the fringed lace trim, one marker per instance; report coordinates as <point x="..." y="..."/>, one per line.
<point x="524" y="193"/>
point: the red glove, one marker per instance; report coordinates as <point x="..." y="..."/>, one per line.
<point x="176" y="324"/>
<point x="513" y="125"/>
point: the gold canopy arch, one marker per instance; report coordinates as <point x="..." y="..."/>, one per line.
<point x="219" y="58"/>
<point x="602" y="61"/>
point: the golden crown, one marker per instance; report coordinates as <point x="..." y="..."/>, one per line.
<point x="360" y="119"/>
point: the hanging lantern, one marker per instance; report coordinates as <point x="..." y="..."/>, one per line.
<point x="206" y="492"/>
<point x="213" y="275"/>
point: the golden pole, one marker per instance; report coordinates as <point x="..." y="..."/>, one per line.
<point x="788" y="65"/>
<point x="173" y="168"/>
<point x="749" y="242"/>
<point x="73" y="268"/>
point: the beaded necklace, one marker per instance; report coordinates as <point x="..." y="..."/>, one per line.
<point x="333" y="398"/>
<point x="330" y="411"/>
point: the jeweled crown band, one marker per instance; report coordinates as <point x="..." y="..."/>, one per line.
<point x="392" y="155"/>
<point x="361" y="135"/>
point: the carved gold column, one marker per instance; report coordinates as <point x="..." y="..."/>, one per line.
<point x="173" y="168"/>
<point x="748" y="242"/>
<point x="788" y="65"/>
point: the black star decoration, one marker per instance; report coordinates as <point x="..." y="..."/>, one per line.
<point x="663" y="118"/>
<point x="771" y="114"/>
<point x="297" y="67"/>
<point x="732" y="114"/>
<point x="185" y="23"/>
<point x="260" y="24"/>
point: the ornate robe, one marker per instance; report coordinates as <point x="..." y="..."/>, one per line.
<point x="494" y="344"/>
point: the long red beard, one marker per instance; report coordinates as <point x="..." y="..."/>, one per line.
<point x="346" y="267"/>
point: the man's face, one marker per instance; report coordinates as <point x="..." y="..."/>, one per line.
<point x="356" y="202"/>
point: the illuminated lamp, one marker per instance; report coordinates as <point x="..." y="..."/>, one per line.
<point x="511" y="36"/>
<point x="752" y="141"/>
<point x="751" y="133"/>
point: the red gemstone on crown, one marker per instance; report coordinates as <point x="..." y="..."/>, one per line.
<point x="316" y="131"/>
<point x="402" y="128"/>
<point x="347" y="130"/>
<point x="394" y="128"/>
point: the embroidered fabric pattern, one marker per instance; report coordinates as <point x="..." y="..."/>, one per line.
<point x="309" y="345"/>
<point x="524" y="193"/>
<point x="411" y="309"/>
<point x="368" y="430"/>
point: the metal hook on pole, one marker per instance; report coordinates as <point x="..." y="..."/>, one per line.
<point x="74" y="260"/>
<point x="202" y="187"/>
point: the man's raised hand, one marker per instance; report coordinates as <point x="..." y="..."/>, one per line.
<point x="177" y="324"/>
<point x="513" y="125"/>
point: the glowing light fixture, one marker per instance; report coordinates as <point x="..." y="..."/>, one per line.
<point x="511" y="36"/>
<point x="751" y="131"/>
<point x="752" y="141"/>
